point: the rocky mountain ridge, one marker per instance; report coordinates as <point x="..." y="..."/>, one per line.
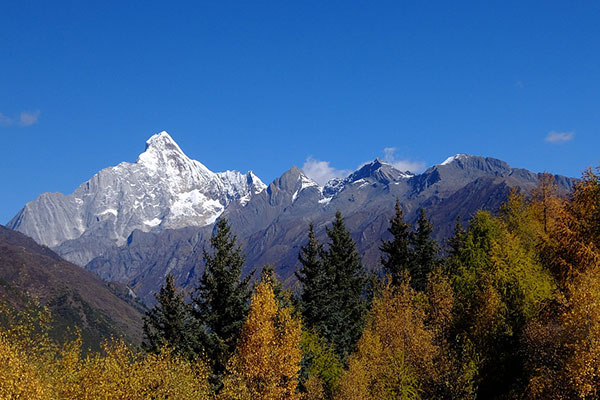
<point x="178" y="200"/>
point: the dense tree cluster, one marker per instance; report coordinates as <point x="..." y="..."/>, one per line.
<point x="332" y="299"/>
<point x="409" y="251"/>
<point x="510" y="309"/>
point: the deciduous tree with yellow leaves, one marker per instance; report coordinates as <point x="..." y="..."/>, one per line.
<point x="401" y="354"/>
<point x="266" y="364"/>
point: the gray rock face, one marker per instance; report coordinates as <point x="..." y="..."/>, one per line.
<point x="134" y="223"/>
<point x="163" y="189"/>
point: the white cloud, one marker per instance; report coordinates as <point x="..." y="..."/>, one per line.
<point x="389" y="156"/>
<point x="4" y="120"/>
<point x="559" y="137"/>
<point x="321" y="172"/>
<point x="28" y="118"/>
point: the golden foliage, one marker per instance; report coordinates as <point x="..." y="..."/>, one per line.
<point x="574" y="243"/>
<point x="19" y="379"/>
<point x="315" y="388"/>
<point x="266" y="364"/>
<point x="34" y="367"/>
<point x="398" y="356"/>
<point x="120" y="373"/>
<point x="563" y="345"/>
<point x="405" y="352"/>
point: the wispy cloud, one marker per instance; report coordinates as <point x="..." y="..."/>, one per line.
<point x="389" y="156"/>
<point x="28" y="118"/>
<point x="4" y="120"/>
<point x="559" y="137"/>
<point x="321" y="171"/>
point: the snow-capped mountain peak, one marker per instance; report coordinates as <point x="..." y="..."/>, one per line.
<point x="160" y="147"/>
<point x="453" y="158"/>
<point x="163" y="189"/>
<point x="161" y="141"/>
<point x="164" y="154"/>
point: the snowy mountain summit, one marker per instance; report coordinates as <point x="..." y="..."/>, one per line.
<point x="163" y="189"/>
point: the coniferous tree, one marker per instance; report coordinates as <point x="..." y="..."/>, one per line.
<point x="425" y="250"/>
<point x="316" y="296"/>
<point x="398" y="254"/>
<point x="456" y="242"/>
<point x="342" y="261"/>
<point x="169" y="323"/>
<point x="221" y="303"/>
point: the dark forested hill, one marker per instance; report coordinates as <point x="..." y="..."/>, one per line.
<point x="75" y="297"/>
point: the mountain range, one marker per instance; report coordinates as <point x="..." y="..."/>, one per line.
<point x="136" y="222"/>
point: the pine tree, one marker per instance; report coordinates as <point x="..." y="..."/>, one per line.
<point x="221" y="303"/>
<point x="398" y="254"/>
<point x="425" y="250"/>
<point x="342" y="261"/>
<point x="169" y="323"/>
<point x="316" y="296"/>
<point x="456" y="242"/>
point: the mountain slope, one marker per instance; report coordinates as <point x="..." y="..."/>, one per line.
<point x="75" y="296"/>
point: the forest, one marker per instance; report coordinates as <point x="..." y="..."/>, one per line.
<point x="507" y="308"/>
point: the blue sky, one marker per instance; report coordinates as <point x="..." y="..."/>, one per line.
<point x="266" y="85"/>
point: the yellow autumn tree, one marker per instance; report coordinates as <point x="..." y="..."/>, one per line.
<point x="28" y="356"/>
<point x="574" y="243"/>
<point x="19" y="379"/>
<point x="266" y="364"/>
<point x="120" y="373"/>
<point x="562" y="345"/>
<point x="405" y="350"/>
<point x="395" y="349"/>
<point x="33" y="366"/>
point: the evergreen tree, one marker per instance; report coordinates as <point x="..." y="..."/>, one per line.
<point x="221" y="303"/>
<point x="342" y="261"/>
<point x="316" y="296"/>
<point x="398" y="254"/>
<point x="425" y="250"/>
<point x="456" y="242"/>
<point x="168" y="323"/>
